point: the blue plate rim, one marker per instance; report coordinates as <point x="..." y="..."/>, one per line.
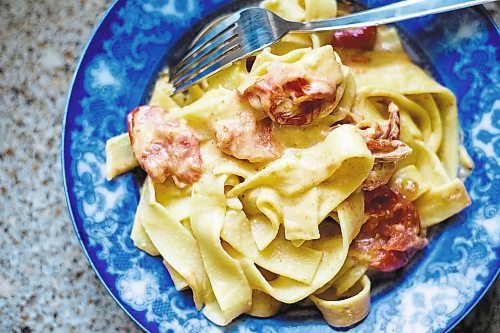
<point x="470" y="306"/>
<point x="63" y="165"/>
<point x="487" y="287"/>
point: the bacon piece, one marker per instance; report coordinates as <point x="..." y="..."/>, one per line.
<point x="392" y="130"/>
<point x="386" y="148"/>
<point x="391" y="235"/>
<point x="164" y="146"/>
<point x="379" y="175"/>
<point x="246" y="138"/>
<point x="357" y="38"/>
<point x="287" y="99"/>
<point x="384" y="143"/>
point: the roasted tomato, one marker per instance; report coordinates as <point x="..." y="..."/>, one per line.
<point x="290" y="100"/>
<point x="356" y="38"/>
<point x="164" y="146"/>
<point x="392" y="234"/>
<point x="247" y="138"/>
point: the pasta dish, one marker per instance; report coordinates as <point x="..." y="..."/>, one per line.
<point x="291" y="174"/>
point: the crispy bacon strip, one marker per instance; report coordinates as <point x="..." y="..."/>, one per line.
<point x="386" y="148"/>
<point x="379" y="175"/>
<point x="289" y="100"/>
<point x="246" y="138"/>
<point x="164" y="146"/>
<point x="392" y="130"/>
<point x="384" y="144"/>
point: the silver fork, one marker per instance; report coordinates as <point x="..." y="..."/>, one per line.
<point x="253" y="29"/>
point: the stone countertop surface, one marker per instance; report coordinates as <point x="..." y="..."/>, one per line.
<point x="46" y="283"/>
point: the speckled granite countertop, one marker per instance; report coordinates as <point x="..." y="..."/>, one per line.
<point x="46" y="283"/>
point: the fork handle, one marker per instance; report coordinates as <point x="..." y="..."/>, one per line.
<point x="398" y="11"/>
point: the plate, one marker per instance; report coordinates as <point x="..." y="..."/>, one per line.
<point x="122" y="59"/>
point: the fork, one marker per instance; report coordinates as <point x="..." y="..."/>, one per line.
<point x="250" y="30"/>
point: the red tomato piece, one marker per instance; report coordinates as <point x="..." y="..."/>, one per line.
<point x="164" y="146"/>
<point x="356" y="38"/>
<point x="247" y="138"/>
<point x="391" y="235"/>
<point x="290" y="101"/>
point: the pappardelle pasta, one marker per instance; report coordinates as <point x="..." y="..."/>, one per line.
<point x="290" y="174"/>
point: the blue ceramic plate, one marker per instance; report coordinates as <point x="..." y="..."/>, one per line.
<point x="123" y="57"/>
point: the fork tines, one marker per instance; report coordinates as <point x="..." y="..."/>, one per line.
<point x="214" y="43"/>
